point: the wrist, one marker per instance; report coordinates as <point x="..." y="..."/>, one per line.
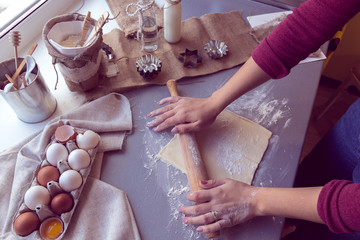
<point x="218" y="102"/>
<point x="259" y="202"/>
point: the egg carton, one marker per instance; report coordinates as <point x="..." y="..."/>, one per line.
<point x="44" y="212"/>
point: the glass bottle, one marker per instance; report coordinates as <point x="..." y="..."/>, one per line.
<point x="172" y="21"/>
<point x="148" y="26"/>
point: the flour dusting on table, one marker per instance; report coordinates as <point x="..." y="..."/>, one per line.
<point x="172" y="181"/>
<point x="260" y="106"/>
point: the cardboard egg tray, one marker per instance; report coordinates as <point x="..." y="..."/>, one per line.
<point x="44" y="211"/>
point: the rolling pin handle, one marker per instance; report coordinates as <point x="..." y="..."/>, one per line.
<point x="172" y="86"/>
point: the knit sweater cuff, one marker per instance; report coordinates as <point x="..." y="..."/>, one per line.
<point x="338" y="206"/>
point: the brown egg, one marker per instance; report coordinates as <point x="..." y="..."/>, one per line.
<point x="62" y="203"/>
<point x="65" y="133"/>
<point x="47" y="174"/>
<point x="26" y="223"/>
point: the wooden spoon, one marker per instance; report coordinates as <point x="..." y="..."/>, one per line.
<point x="85" y="28"/>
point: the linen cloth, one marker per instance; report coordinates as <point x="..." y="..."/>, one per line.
<point x="103" y="211"/>
<point x="229" y="28"/>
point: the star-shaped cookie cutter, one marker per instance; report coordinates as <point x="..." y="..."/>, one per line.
<point x="190" y="58"/>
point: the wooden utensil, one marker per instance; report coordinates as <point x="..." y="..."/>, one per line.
<point x="11" y="80"/>
<point x="195" y="167"/>
<point x="23" y="62"/>
<point x="98" y="25"/>
<point x="15" y="39"/>
<point x="85" y="28"/>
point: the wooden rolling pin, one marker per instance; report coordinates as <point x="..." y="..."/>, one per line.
<point x="194" y="165"/>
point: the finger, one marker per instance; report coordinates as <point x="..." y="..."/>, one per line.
<point x="195" y="210"/>
<point x="212" y="183"/>
<point x="172" y="99"/>
<point x="186" y="128"/>
<point x="168" y="119"/>
<point x="200" y="196"/>
<point x="213" y="227"/>
<point x="164" y="118"/>
<point x="166" y="123"/>
<point x="160" y="111"/>
<point x="203" y="219"/>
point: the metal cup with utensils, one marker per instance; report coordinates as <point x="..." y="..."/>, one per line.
<point x="33" y="103"/>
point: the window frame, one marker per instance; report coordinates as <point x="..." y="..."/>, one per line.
<point x="31" y="24"/>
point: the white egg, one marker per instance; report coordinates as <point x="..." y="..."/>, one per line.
<point x="36" y="195"/>
<point x="56" y="152"/>
<point x="79" y="159"/>
<point x="88" y="140"/>
<point x="70" y="180"/>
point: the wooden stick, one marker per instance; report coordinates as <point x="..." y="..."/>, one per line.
<point x="85" y="28"/>
<point x="23" y="80"/>
<point x="98" y="25"/>
<point x="16" y="57"/>
<point x="11" y="80"/>
<point x="23" y="62"/>
<point x="195" y="167"/>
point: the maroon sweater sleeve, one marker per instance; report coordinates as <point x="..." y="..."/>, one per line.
<point x="339" y="206"/>
<point x="302" y="33"/>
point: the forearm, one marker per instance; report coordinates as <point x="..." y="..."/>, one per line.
<point x="299" y="203"/>
<point x="248" y="77"/>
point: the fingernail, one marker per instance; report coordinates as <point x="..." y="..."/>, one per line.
<point x="185" y="220"/>
<point x="200" y="229"/>
<point x="150" y="114"/>
<point x="203" y="182"/>
<point x="150" y="124"/>
<point x="174" y="130"/>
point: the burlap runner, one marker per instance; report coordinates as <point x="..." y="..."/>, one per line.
<point x="227" y="27"/>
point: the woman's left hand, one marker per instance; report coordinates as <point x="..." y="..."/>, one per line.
<point x="222" y="203"/>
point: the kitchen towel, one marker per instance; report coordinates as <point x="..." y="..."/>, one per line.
<point x="103" y="211"/>
<point x="229" y="28"/>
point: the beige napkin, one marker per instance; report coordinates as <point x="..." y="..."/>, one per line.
<point x="196" y="32"/>
<point x="103" y="212"/>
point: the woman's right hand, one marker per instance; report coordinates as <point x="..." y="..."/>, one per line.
<point x="184" y="114"/>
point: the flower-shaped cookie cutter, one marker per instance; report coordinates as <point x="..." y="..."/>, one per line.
<point x="216" y="49"/>
<point x="148" y="65"/>
<point x="190" y="58"/>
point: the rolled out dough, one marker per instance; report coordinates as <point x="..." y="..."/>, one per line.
<point x="232" y="147"/>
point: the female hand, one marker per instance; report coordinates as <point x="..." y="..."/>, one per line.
<point x="222" y="203"/>
<point x="186" y="114"/>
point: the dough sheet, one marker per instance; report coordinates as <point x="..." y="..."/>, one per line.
<point x="232" y="147"/>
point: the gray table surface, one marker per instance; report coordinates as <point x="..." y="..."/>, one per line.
<point x="156" y="190"/>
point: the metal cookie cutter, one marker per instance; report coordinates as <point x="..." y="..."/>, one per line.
<point x="216" y="49"/>
<point x="190" y="58"/>
<point x="148" y="65"/>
